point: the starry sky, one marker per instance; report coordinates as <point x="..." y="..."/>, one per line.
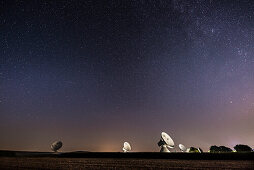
<point x="95" y="74"/>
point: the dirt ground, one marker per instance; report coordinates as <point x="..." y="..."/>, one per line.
<point x="120" y="163"/>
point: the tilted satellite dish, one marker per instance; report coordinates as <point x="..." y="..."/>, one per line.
<point x="182" y="148"/>
<point x="165" y="142"/>
<point x="200" y="150"/>
<point x="126" y="147"/>
<point x="188" y="150"/>
<point x="56" y="146"/>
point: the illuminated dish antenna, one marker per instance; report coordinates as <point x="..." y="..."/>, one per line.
<point x="188" y="150"/>
<point x="200" y="150"/>
<point x="182" y="148"/>
<point x="126" y="147"/>
<point x="56" y="146"/>
<point x="165" y="142"/>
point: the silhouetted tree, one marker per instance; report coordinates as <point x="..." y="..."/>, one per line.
<point x="214" y="149"/>
<point x="217" y="149"/>
<point x="225" y="149"/>
<point x="242" y="148"/>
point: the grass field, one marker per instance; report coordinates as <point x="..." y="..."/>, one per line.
<point x="120" y="163"/>
<point x="114" y="160"/>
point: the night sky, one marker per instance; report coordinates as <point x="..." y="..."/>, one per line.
<point x="95" y="74"/>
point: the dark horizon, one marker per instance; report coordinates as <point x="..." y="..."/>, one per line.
<point x="95" y="74"/>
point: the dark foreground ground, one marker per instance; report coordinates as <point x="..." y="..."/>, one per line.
<point x="93" y="160"/>
<point x="120" y="163"/>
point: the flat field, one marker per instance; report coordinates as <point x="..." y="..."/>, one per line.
<point x="119" y="163"/>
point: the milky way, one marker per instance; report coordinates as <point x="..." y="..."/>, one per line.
<point x="96" y="74"/>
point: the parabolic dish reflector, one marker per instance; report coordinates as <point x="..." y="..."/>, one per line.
<point x="182" y="148"/>
<point x="200" y="150"/>
<point x="167" y="139"/>
<point x="126" y="147"/>
<point x="56" y="145"/>
<point x="188" y="150"/>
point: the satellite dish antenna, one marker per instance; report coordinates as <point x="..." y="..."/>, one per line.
<point x="56" y="146"/>
<point x="188" y="150"/>
<point x="200" y="150"/>
<point x="182" y="148"/>
<point x="126" y="147"/>
<point x="165" y="142"/>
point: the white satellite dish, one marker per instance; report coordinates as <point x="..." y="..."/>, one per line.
<point x="56" y="146"/>
<point x="126" y="147"/>
<point x="188" y="150"/>
<point x="200" y="150"/>
<point x="182" y="148"/>
<point x="165" y="142"/>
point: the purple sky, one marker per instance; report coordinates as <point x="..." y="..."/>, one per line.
<point x="97" y="74"/>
